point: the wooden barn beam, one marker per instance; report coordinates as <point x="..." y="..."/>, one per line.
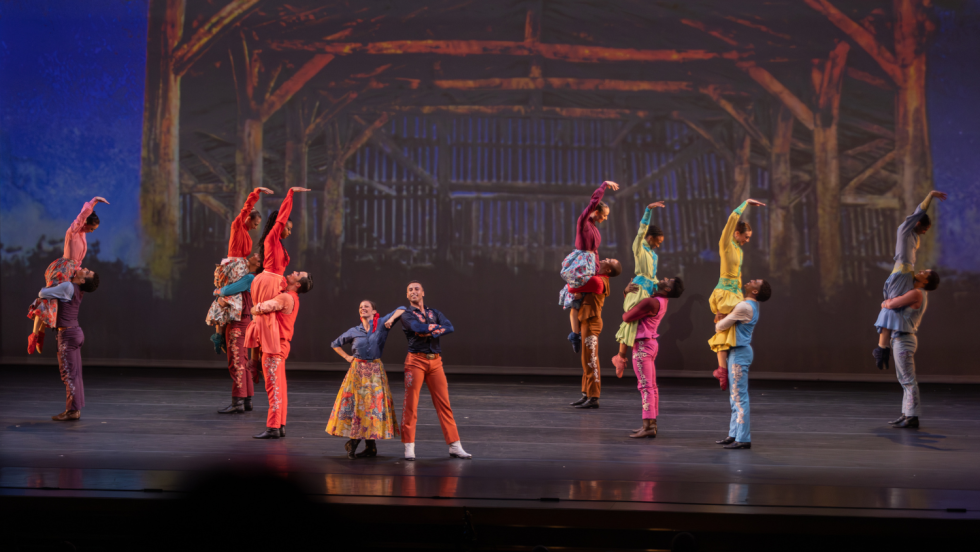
<point x="869" y="127"/>
<point x="624" y="131"/>
<point x="741" y="170"/>
<point x="159" y="162"/>
<point x="740" y="116"/>
<point x="861" y="36"/>
<point x="765" y="79"/>
<point x="212" y="164"/>
<point x="717" y="144"/>
<point x="296" y="171"/>
<point x="444" y="202"/>
<point x="783" y="257"/>
<point x="867" y="173"/>
<point x="692" y="150"/>
<point x="871" y="201"/>
<point x="868" y="78"/>
<point x="214" y="204"/>
<point x="222" y="136"/>
<point x="521" y="111"/>
<point x="317" y="125"/>
<point x="354" y="178"/>
<point x="563" y="52"/>
<point x="188" y="52"/>
<point x="866" y="147"/>
<point x="393" y="150"/>
<point x="541" y="83"/>
<point x="293" y="84"/>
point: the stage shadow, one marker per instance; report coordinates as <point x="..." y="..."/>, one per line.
<point x="914" y="438"/>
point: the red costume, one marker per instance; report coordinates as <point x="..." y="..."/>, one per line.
<point x="270" y="282"/>
<point x="240" y="243"/>
<point x="282" y="311"/>
<point x="244" y="373"/>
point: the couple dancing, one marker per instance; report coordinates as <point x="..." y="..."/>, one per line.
<point x="364" y="408"/>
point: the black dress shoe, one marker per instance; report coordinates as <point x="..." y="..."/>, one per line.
<point x="237" y="406"/>
<point x="370" y="450"/>
<point x="882" y="357"/>
<point x="725" y="441"/>
<point x="911" y="422"/>
<point x="592" y="402"/>
<point x="738" y="445"/>
<point x="282" y="431"/>
<point x="248" y="404"/>
<point x="351" y="447"/>
<point x="898" y="420"/>
<point x="269" y="433"/>
<point x="580" y="401"/>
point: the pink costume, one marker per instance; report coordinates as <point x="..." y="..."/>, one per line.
<point x="645" y="349"/>
<point x="63" y="269"/>
<point x="263" y="330"/>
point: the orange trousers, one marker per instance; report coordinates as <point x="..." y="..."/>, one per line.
<point x="591" y="380"/>
<point x="419" y="370"/>
<point x="274" y="369"/>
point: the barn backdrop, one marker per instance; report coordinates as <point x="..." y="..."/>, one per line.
<point x="456" y="142"/>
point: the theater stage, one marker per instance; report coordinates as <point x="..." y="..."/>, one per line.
<point x="825" y="468"/>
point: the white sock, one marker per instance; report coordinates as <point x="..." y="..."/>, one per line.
<point x="409" y="450"/>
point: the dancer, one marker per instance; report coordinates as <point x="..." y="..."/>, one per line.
<point x="71" y="337"/>
<point x="645" y="260"/>
<point x="423" y="326"/>
<point x="590" y="320"/>
<point x="900" y="281"/>
<point x="233" y="268"/>
<point x="743" y="319"/>
<point x="364" y="408"/>
<point x="581" y="264"/>
<point x="44" y="312"/>
<point x="728" y="292"/>
<point x="647" y="314"/>
<point x="273" y="332"/>
<point x="244" y="371"/>
<point x="910" y="307"/>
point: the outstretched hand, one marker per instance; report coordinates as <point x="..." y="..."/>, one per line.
<point x="299" y="189"/>
<point x="656" y="204"/>
<point x="264" y="190"/>
<point x="611" y="185"/>
<point x="941" y="196"/>
<point x="99" y="199"/>
<point x="755" y="202"/>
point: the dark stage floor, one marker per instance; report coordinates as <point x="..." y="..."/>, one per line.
<point x="820" y="449"/>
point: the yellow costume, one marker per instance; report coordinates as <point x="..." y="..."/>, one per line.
<point x="646" y="277"/>
<point x="728" y="292"/>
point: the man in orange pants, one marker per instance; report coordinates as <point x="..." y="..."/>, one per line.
<point x="423" y="327"/>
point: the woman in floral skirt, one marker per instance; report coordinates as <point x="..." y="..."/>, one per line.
<point x="364" y="409"/>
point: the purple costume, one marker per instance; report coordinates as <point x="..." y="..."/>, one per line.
<point x="70" y="340"/>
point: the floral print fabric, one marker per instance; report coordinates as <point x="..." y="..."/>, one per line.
<point x="364" y="408"/>
<point x="58" y="272"/>
<point x="229" y="271"/>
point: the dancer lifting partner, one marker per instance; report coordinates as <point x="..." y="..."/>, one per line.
<point x="71" y="337"/>
<point x="44" y="312"/>
<point x="594" y="295"/>
<point x="903" y="275"/>
<point x="645" y="259"/>
<point x="423" y="326"/>
<point x="231" y="310"/>
<point x="742" y="321"/>
<point x="646" y="315"/>
<point x="728" y="292"/>
<point x="272" y="328"/>
<point x="582" y="263"/>
<point x="364" y="408"/>
<point x="909" y="308"/>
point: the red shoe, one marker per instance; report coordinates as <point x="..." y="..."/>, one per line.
<point x="620" y="365"/>
<point x="35" y="342"/>
<point x="721" y="374"/>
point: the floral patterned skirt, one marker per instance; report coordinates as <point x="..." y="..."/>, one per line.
<point x="58" y="272"/>
<point x="364" y="409"/>
<point x="229" y="271"/>
<point x="578" y="267"/>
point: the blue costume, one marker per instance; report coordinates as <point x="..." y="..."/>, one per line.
<point x="902" y="278"/>
<point x="739" y="359"/>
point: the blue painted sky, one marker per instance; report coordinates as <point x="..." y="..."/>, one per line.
<point x="71" y="111"/>
<point x="71" y="95"/>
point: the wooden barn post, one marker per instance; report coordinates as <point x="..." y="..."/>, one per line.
<point x="741" y="168"/>
<point x="297" y="166"/>
<point x="159" y="167"/>
<point x="444" y="205"/>
<point x="782" y="229"/>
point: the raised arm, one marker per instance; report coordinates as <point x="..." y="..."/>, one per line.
<point x="62" y="292"/>
<point x="913" y="297"/>
<point x="87" y="208"/>
<point x="282" y="302"/>
<point x="390" y="318"/>
<point x="641" y="233"/>
<point x="741" y="313"/>
<point x="647" y="307"/>
<point x="594" y="202"/>
<point x="243" y="284"/>
<point x="250" y="202"/>
<point x="941" y="196"/>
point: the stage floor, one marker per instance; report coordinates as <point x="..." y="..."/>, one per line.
<point x="823" y="448"/>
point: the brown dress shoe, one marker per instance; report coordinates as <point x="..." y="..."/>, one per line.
<point x="649" y="429"/>
<point x="67" y="416"/>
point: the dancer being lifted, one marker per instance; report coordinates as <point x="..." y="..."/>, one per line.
<point x="44" y="312"/>
<point x="903" y="276"/>
<point x="645" y="258"/>
<point x="364" y="408"/>
<point x="230" y="312"/>
<point x="646" y="315"/>
<point x="583" y="263"/>
<point x="274" y="315"/>
<point x="728" y="292"/>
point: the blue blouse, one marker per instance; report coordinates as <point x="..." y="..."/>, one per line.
<point x="243" y="284"/>
<point x="367" y="345"/>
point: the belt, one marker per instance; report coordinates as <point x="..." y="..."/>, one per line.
<point x="428" y="356"/>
